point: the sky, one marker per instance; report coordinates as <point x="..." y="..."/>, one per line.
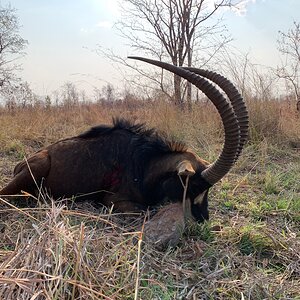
<point x="62" y="36"/>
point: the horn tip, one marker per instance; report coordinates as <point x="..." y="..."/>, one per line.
<point x="134" y="57"/>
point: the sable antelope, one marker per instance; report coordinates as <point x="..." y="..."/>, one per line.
<point x="133" y="167"/>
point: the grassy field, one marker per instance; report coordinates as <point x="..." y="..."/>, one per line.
<point x="250" y="248"/>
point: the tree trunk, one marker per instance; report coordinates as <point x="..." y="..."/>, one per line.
<point x="178" y="101"/>
<point x="189" y="85"/>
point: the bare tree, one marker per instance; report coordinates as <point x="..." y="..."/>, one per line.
<point x="47" y="102"/>
<point x="106" y="94"/>
<point x="252" y="80"/>
<point x="289" y="46"/>
<point x="97" y="95"/>
<point x="69" y="94"/>
<point x="19" y="95"/>
<point x="11" y="44"/>
<point x="25" y="95"/>
<point x="174" y="30"/>
<point x="108" y="91"/>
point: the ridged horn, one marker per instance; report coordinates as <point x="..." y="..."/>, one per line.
<point x="235" y="98"/>
<point x="225" y="161"/>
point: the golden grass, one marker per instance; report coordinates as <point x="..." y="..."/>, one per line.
<point x="65" y="254"/>
<point x="275" y="121"/>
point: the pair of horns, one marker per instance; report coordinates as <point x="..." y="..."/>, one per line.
<point x="233" y="113"/>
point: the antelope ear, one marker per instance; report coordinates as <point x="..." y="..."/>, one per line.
<point x="185" y="168"/>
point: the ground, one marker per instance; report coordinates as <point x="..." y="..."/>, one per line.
<point x="250" y="248"/>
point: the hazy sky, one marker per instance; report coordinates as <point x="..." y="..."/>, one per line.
<point x="63" y="33"/>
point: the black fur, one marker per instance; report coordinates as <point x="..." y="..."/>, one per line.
<point x="136" y="143"/>
<point x="125" y="164"/>
<point x="139" y="131"/>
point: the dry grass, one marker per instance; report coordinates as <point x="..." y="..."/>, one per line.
<point x="249" y="250"/>
<point x="65" y="254"/>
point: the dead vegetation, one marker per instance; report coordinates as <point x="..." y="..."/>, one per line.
<point x="249" y="250"/>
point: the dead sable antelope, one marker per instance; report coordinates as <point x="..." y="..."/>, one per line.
<point x="131" y="167"/>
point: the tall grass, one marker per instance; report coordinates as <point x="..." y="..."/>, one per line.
<point x="274" y="121"/>
<point x="277" y="122"/>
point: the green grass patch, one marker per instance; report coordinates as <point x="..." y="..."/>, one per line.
<point x="253" y="240"/>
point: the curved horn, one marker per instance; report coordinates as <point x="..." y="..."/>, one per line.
<point x="235" y="98"/>
<point x="231" y="127"/>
